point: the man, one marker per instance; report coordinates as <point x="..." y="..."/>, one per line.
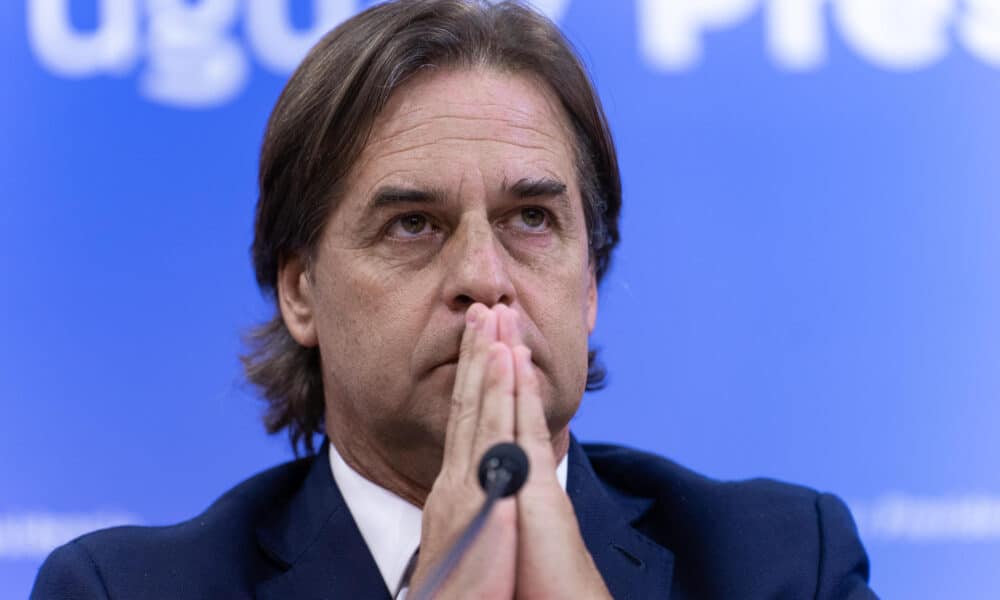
<point x="438" y="201"/>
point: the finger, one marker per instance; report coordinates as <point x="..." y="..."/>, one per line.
<point x="465" y="397"/>
<point x="509" y="326"/>
<point x="496" y="414"/>
<point x="532" y="428"/>
<point x="473" y="321"/>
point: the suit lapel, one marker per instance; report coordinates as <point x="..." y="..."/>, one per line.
<point x="315" y="540"/>
<point x="633" y="566"/>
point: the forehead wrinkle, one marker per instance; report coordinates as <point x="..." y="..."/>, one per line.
<point x="400" y="177"/>
<point x="522" y="96"/>
<point x="409" y="172"/>
<point x="396" y="126"/>
<point x="382" y="145"/>
<point x="412" y="109"/>
<point x="524" y="146"/>
<point x="529" y="119"/>
<point x="505" y="129"/>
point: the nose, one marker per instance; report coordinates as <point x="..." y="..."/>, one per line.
<point x="476" y="267"/>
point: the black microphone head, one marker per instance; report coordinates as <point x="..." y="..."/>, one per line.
<point x="507" y="457"/>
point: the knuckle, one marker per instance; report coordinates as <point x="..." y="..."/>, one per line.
<point x="445" y="487"/>
<point x="539" y="434"/>
<point x="491" y="429"/>
<point x="462" y="409"/>
<point x="463" y="415"/>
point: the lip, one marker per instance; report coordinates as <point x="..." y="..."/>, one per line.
<point x="446" y="363"/>
<point x="454" y="362"/>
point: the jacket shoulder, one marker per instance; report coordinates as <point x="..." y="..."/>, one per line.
<point x="634" y="472"/>
<point x="216" y="550"/>
<point x="740" y="538"/>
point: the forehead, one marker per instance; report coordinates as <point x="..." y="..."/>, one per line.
<point x="493" y="122"/>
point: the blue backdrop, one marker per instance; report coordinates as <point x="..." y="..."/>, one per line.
<point x="807" y="288"/>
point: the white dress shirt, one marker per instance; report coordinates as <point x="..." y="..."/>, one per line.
<point x="389" y="524"/>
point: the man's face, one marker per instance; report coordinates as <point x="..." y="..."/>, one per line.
<point x="466" y="192"/>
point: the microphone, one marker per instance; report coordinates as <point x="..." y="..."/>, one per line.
<point x="502" y="472"/>
<point x="505" y="465"/>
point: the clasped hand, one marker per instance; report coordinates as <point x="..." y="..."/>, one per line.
<point x="530" y="546"/>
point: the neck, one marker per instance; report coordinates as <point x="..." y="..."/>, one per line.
<point x="384" y="466"/>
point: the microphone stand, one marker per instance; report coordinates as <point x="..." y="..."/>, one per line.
<point x="502" y="472"/>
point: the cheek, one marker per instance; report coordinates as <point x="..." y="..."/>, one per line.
<point x="561" y="306"/>
<point x="364" y="295"/>
<point x="564" y="289"/>
<point x="369" y="323"/>
<point x="563" y="327"/>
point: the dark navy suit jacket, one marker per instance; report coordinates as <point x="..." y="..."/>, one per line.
<point x="655" y="530"/>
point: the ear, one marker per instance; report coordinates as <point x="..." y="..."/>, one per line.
<point x="296" y="301"/>
<point x="591" y="302"/>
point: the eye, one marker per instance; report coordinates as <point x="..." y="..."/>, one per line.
<point x="532" y="218"/>
<point x="410" y="226"/>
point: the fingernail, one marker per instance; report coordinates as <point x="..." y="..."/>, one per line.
<point x="471" y="317"/>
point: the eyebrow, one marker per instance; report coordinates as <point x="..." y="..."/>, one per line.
<point x="393" y="195"/>
<point x="533" y="188"/>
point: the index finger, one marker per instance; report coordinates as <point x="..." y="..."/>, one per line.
<point x="480" y="333"/>
<point x="532" y="427"/>
<point x="508" y="326"/>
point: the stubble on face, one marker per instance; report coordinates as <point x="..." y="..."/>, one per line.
<point x="439" y="211"/>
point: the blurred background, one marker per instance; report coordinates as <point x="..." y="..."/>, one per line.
<point x="808" y="286"/>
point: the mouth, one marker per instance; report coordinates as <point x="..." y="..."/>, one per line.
<point x="453" y="361"/>
<point x="449" y="362"/>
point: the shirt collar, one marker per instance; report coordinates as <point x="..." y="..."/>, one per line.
<point x="389" y="524"/>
